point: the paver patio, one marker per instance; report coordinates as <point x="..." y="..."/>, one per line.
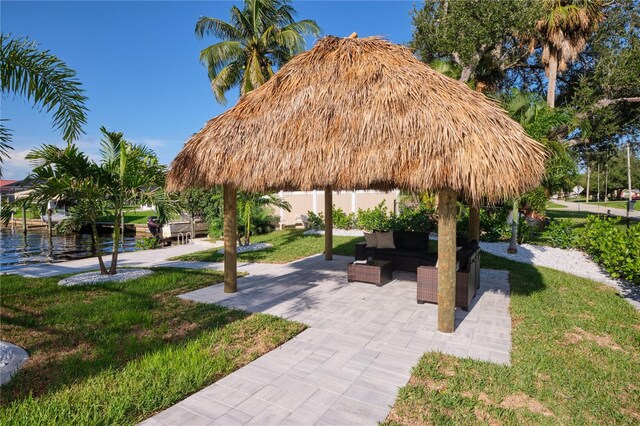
<point x="360" y="346"/>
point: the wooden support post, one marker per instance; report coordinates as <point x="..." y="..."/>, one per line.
<point x="446" y="260"/>
<point x="474" y="223"/>
<point x="328" y="223"/>
<point x="24" y="220"/>
<point x="230" y="238"/>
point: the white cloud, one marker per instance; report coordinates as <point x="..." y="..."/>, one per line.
<point x="16" y="166"/>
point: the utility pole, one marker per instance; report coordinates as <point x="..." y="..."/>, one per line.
<point x="628" y="180"/>
<point x="588" y="180"/>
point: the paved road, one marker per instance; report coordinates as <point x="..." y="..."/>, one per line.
<point x="598" y="209"/>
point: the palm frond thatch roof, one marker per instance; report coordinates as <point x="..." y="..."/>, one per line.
<point x="360" y="113"/>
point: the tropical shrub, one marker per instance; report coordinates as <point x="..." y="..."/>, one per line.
<point x="525" y="231"/>
<point x="560" y="233"/>
<point x="376" y="219"/>
<point x="343" y="220"/>
<point x="493" y="223"/>
<point x="419" y="219"/>
<point x="534" y="201"/>
<point x="616" y="250"/>
<point x="315" y="221"/>
<point x="148" y="243"/>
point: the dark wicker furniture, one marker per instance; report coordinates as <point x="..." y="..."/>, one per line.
<point x="467" y="278"/>
<point x="412" y="251"/>
<point x="379" y="272"/>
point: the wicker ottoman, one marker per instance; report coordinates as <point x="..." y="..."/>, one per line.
<point x="379" y="272"/>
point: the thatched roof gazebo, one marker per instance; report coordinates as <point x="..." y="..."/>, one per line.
<point x="363" y="113"/>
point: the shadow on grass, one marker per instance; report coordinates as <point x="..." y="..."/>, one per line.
<point x="75" y="333"/>
<point x="525" y="279"/>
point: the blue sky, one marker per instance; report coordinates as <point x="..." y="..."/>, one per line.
<point x="138" y="63"/>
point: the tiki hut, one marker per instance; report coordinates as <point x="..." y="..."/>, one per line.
<point x="363" y="113"/>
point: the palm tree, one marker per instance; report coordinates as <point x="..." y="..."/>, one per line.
<point x="46" y="81"/>
<point x="252" y="204"/>
<point x="565" y="28"/>
<point x="127" y="174"/>
<point x="261" y="36"/>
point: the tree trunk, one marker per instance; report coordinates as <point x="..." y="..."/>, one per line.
<point x="629" y="171"/>
<point x="598" y="194"/>
<point x="474" y="224"/>
<point x="94" y="235"/>
<point x="328" y="223"/>
<point x="446" y="260"/>
<point x="116" y="243"/>
<point x="606" y="182"/>
<point x="24" y="220"/>
<point x="230" y="237"/>
<point x="553" y="74"/>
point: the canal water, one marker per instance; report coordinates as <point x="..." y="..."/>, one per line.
<point x="37" y="247"/>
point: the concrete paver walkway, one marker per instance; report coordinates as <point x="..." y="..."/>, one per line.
<point x="360" y="347"/>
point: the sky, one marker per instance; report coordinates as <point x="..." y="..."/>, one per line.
<point x="138" y="63"/>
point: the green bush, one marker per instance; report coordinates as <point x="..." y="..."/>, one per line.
<point x="147" y="243"/>
<point x="560" y="233"/>
<point x="525" y="231"/>
<point x="376" y="219"/>
<point x="420" y="219"/>
<point x="315" y="221"/>
<point x="534" y="201"/>
<point x="493" y="223"/>
<point x="342" y="220"/>
<point x="616" y="250"/>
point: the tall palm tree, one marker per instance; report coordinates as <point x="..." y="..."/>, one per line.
<point x="43" y="79"/>
<point x="127" y="174"/>
<point x="565" y="29"/>
<point x="261" y="36"/>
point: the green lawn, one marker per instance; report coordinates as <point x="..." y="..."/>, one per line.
<point x="552" y="205"/>
<point x="618" y="204"/>
<point x="288" y="246"/>
<point x="576" y="351"/>
<point x="134" y="216"/>
<point x="117" y="353"/>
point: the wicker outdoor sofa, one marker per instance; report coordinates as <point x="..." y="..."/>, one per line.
<point x="412" y="254"/>
<point x="411" y="251"/>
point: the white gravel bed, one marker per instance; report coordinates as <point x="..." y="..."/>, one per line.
<point x="337" y="232"/>
<point x="11" y="359"/>
<point x="97" y="278"/>
<point x="250" y="247"/>
<point x="571" y="261"/>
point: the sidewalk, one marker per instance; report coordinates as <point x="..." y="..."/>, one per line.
<point x="145" y="258"/>
<point x="598" y="209"/>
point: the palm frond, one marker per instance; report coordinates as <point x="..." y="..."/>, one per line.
<point x="46" y="80"/>
<point x="207" y="26"/>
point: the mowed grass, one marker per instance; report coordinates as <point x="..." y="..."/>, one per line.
<point x="288" y="246"/>
<point x="134" y="216"/>
<point x="552" y="205"/>
<point x="117" y="353"/>
<point x="575" y="357"/>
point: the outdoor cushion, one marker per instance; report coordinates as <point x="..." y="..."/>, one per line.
<point x="385" y="240"/>
<point x="371" y="239"/>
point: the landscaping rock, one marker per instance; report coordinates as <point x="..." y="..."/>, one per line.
<point x="96" y="278"/>
<point x="11" y="359"/>
<point x="250" y="247"/>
